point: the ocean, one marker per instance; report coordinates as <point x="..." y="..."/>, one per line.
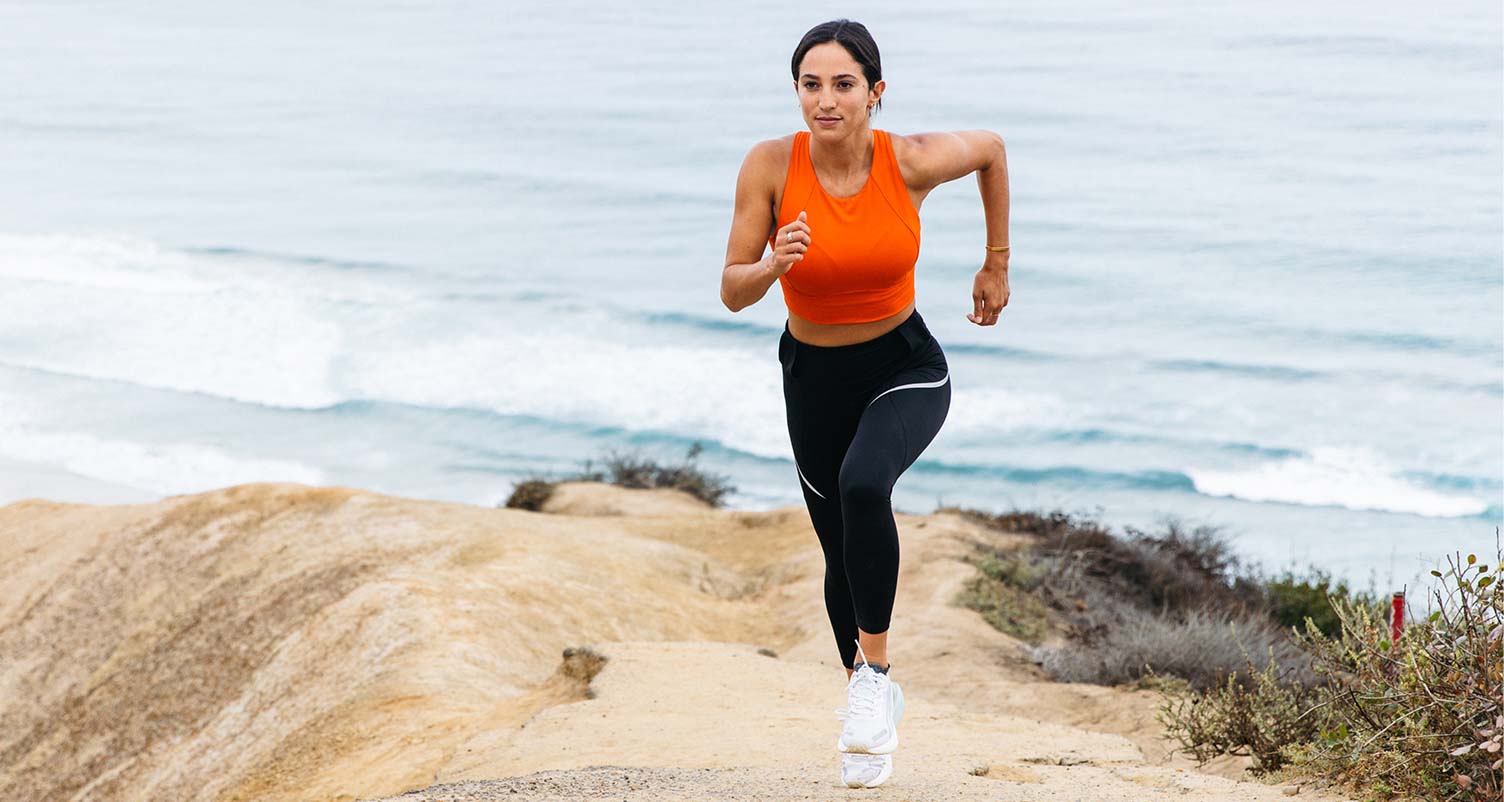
<point x="433" y="248"/>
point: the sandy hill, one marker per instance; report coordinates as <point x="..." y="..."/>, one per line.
<point x="282" y="642"/>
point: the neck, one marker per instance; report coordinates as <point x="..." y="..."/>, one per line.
<point x="849" y="156"/>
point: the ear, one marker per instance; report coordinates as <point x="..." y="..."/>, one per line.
<point x="877" y="91"/>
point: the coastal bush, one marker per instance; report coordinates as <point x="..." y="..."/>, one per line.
<point x="530" y="494"/>
<point x="1257" y="712"/>
<point x="1330" y="696"/>
<point x="1419" y="715"/>
<point x="1175" y="600"/>
<point x="630" y="470"/>
<point x="1292" y="599"/>
<point x="635" y="471"/>
<point x="1179" y="569"/>
<point x="1204" y="647"/>
<point x="1170" y="602"/>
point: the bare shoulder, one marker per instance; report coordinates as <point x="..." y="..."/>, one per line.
<point x="769" y="159"/>
<point x="759" y="186"/>
<point x="931" y="158"/>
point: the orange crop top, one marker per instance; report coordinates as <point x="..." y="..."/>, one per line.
<point x="859" y="266"/>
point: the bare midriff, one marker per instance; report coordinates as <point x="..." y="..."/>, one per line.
<point x="832" y="334"/>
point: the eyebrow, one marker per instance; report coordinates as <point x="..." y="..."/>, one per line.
<point x="816" y="77"/>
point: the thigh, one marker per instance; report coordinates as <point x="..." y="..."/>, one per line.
<point x="822" y="421"/>
<point x="903" y="417"/>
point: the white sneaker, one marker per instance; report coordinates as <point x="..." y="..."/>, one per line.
<point x="874" y="705"/>
<point x="865" y="771"/>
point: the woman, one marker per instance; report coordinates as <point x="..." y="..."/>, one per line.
<point x="866" y="387"/>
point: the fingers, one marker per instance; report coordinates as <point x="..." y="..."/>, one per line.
<point x="794" y="239"/>
<point x="798" y="226"/>
<point x="985" y="312"/>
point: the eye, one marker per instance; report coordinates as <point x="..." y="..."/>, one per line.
<point x="809" y="84"/>
<point x="847" y="83"/>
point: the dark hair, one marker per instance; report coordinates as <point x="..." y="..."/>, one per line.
<point x="851" y="35"/>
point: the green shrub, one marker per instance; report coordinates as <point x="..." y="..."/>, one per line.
<point x="1293" y="599"/>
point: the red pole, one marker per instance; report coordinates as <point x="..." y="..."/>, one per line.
<point x="1397" y="615"/>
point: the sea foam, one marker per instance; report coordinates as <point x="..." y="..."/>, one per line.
<point x="1352" y="477"/>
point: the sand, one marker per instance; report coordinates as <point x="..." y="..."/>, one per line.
<point x="284" y="642"/>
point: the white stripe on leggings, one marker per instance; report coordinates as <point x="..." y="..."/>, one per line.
<point x="806" y="481"/>
<point x="943" y="380"/>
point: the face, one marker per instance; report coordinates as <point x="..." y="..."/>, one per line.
<point x="833" y="93"/>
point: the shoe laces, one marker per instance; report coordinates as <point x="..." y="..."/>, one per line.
<point x="863" y="694"/>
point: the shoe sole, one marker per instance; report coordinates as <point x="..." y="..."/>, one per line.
<point x="886" y="747"/>
<point x="881" y="777"/>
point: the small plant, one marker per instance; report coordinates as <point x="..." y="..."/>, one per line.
<point x="1255" y="712"/>
<point x="630" y="470"/>
<point x="530" y="494"/>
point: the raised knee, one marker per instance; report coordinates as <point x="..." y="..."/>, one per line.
<point x="863" y="484"/>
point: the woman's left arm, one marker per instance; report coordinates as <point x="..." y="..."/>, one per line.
<point x="935" y="158"/>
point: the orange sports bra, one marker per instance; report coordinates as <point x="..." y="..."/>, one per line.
<point x="859" y="266"/>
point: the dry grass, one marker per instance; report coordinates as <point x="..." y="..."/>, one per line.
<point x="1008" y="609"/>
<point x="1206" y="648"/>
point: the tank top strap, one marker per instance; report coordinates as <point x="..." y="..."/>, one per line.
<point x="799" y="182"/>
<point x="889" y="179"/>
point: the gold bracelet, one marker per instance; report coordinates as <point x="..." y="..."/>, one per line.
<point x="997" y="248"/>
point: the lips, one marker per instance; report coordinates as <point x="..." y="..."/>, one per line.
<point x="828" y="119"/>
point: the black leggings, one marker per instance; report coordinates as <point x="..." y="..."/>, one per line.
<point x="858" y="416"/>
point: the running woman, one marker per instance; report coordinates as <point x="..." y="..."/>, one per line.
<point x="866" y="387"/>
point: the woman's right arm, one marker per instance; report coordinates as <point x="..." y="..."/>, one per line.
<point x="748" y="273"/>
